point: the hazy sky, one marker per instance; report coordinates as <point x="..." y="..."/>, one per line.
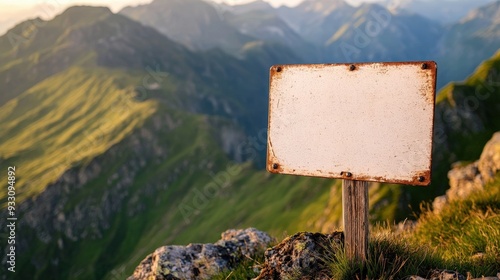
<point x="117" y="4"/>
<point x="9" y="8"/>
<point x="12" y="12"/>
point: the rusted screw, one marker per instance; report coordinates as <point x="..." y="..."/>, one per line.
<point x="348" y="174"/>
<point x="279" y="69"/>
<point x="352" y="67"/>
<point x="275" y="166"/>
<point x="424" y="66"/>
<point x="421" y="179"/>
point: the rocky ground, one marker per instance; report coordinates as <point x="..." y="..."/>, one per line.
<point x="201" y="261"/>
<point x="301" y="256"/>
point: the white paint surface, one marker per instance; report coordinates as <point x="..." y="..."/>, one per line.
<point x="375" y="122"/>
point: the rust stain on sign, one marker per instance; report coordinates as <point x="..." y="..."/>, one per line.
<point x="366" y="121"/>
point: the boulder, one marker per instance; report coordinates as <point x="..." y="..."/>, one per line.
<point x="302" y="256"/>
<point x="439" y="274"/>
<point x="442" y="274"/>
<point x="202" y="261"/>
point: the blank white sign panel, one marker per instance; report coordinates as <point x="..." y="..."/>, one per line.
<point x="369" y="121"/>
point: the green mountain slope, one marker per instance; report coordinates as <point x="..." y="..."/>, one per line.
<point x="112" y="207"/>
<point x="44" y="140"/>
<point x="35" y="50"/>
<point x="467" y="114"/>
<point x="108" y="146"/>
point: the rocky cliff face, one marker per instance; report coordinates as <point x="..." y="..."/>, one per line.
<point x="89" y="217"/>
<point x="466" y="179"/>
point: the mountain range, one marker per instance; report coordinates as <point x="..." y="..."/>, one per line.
<point x="333" y="31"/>
<point x="134" y="130"/>
<point x="446" y="11"/>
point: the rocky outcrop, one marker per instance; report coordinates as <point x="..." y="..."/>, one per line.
<point x="305" y="256"/>
<point x="301" y="256"/>
<point x="489" y="163"/>
<point x="467" y="179"/>
<point x="201" y="261"/>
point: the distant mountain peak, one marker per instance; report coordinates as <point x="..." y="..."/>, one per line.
<point x="82" y="15"/>
<point x="84" y="8"/>
<point x="489" y="12"/>
<point x="177" y="2"/>
<point x="257" y="5"/>
<point x="444" y="11"/>
<point x="367" y="7"/>
<point x="323" y="6"/>
<point x="80" y="11"/>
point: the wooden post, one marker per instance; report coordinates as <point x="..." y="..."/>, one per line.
<point x="355" y="211"/>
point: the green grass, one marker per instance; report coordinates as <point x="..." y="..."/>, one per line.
<point x="390" y="256"/>
<point x="45" y="131"/>
<point x="464" y="237"/>
<point x="465" y="229"/>
<point x="248" y="269"/>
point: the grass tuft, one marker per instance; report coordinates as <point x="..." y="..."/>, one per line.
<point x="466" y="233"/>
<point x="248" y="269"/>
<point x="390" y="256"/>
<point x="463" y="237"/>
